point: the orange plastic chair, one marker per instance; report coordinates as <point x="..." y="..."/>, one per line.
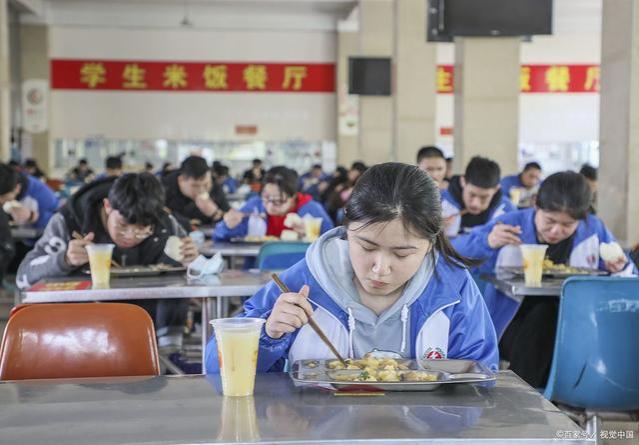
<point x="76" y="340"/>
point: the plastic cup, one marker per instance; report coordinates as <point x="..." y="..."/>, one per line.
<point x="237" y="346"/>
<point x="515" y="195"/>
<point x="312" y="228"/>
<point x="238" y="422"/>
<point x="100" y="263"/>
<point x="533" y="261"/>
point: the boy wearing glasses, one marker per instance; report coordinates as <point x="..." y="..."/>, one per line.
<point x="279" y="197"/>
<point x="127" y="211"/>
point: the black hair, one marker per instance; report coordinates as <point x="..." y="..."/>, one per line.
<point x="257" y="162"/>
<point x="589" y="172"/>
<point x="194" y="167"/>
<point x="83" y="162"/>
<point x="430" y="151"/>
<point x="148" y="165"/>
<point x="223" y="170"/>
<point x="14" y="164"/>
<point x="284" y="178"/>
<point x="113" y="162"/>
<point x="139" y="197"/>
<point x="566" y="192"/>
<point x="393" y="190"/>
<point x="532" y="165"/>
<point x="30" y="163"/>
<point x="359" y="166"/>
<point x="8" y="178"/>
<point x="482" y="172"/>
<point x="317" y="166"/>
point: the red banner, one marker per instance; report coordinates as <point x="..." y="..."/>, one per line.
<point x="192" y="76"/>
<point x="539" y="79"/>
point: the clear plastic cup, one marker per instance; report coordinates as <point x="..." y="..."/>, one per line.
<point x="312" y="228"/>
<point x="100" y="263"/>
<point x="533" y="262"/>
<point x="515" y="195"/>
<point x="237" y="346"/>
<point x="238" y="422"/>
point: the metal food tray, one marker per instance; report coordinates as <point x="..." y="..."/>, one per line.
<point x="577" y="271"/>
<point x="142" y="271"/>
<point x="317" y="372"/>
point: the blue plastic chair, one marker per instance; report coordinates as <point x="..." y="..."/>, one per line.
<point x="281" y="255"/>
<point x="595" y="366"/>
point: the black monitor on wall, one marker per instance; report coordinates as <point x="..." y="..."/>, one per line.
<point x="488" y="18"/>
<point x="369" y="76"/>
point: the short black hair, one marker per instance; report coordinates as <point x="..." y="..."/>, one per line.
<point x="257" y="161"/>
<point x="482" y="172"/>
<point x="194" y="167"/>
<point x="8" y="178"/>
<point x="429" y="151"/>
<point x="30" y="162"/>
<point x="139" y="197"/>
<point x="359" y="166"/>
<point x="566" y="192"/>
<point x="284" y="177"/>
<point x="148" y="165"/>
<point x="317" y="166"/>
<point x="589" y="172"/>
<point x="532" y="165"/>
<point x="113" y="162"/>
<point x="83" y="161"/>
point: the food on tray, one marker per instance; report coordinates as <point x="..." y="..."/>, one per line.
<point x="368" y="362"/>
<point x="611" y="252"/>
<point x="382" y="375"/>
<point x="172" y="248"/>
<point x="259" y="239"/>
<point x="549" y="266"/>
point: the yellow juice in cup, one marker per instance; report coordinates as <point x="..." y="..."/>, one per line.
<point x="237" y="346"/>
<point x="100" y="263"/>
<point x="533" y="262"/>
<point x="312" y="227"/>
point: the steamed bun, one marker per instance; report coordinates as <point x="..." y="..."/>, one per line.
<point x="172" y="248"/>
<point x="289" y="235"/>
<point x="610" y="252"/>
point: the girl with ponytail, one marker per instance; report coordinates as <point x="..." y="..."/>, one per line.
<point x="387" y="282"/>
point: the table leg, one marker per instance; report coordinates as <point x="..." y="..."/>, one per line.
<point x="218" y="308"/>
<point x="205" y="329"/>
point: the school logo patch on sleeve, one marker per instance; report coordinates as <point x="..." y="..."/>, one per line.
<point x="434" y="354"/>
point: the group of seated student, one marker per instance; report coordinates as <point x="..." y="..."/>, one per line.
<point x="129" y="212"/>
<point x="560" y="218"/>
<point x="388" y="280"/>
<point x="278" y="198"/>
<point x="192" y="194"/>
<point x="474" y="198"/>
<point x="81" y="172"/>
<point x="527" y="182"/>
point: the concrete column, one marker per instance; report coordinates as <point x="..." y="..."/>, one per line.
<point x="5" y="84"/>
<point x="34" y="59"/>
<point x="487" y="100"/>
<point x="376" y="19"/>
<point x="415" y="64"/>
<point x="619" y="119"/>
<point x="347" y="135"/>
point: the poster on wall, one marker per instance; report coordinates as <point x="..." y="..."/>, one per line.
<point x="35" y="95"/>
<point x="348" y="112"/>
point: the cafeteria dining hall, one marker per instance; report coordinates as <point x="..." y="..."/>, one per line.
<point x="289" y="222"/>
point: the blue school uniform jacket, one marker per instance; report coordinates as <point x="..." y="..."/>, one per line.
<point x="313" y="208"/>
<point x="509" y="182"/>
<point x="585" y="253"/>
<point x="450" y="206"/>
<point x="448" y="320"/>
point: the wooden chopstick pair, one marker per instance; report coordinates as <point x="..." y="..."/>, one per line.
<point x="78" y="236"/>
<point x="311" y="322"/>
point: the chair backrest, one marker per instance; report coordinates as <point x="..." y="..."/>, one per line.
<point x="280" y="254"/>
<point x="595" y="363"/>
<point x="74" y="340"/>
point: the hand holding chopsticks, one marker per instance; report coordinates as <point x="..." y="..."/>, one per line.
<point x="77" y="255"/>
<point x="292" y="312"/>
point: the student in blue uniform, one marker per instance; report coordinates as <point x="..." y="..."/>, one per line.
<point x="387" y="280"/>
<point x="560" y="219"/>
<point x="474" y="198"/>
<point x="527" y="182"/>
